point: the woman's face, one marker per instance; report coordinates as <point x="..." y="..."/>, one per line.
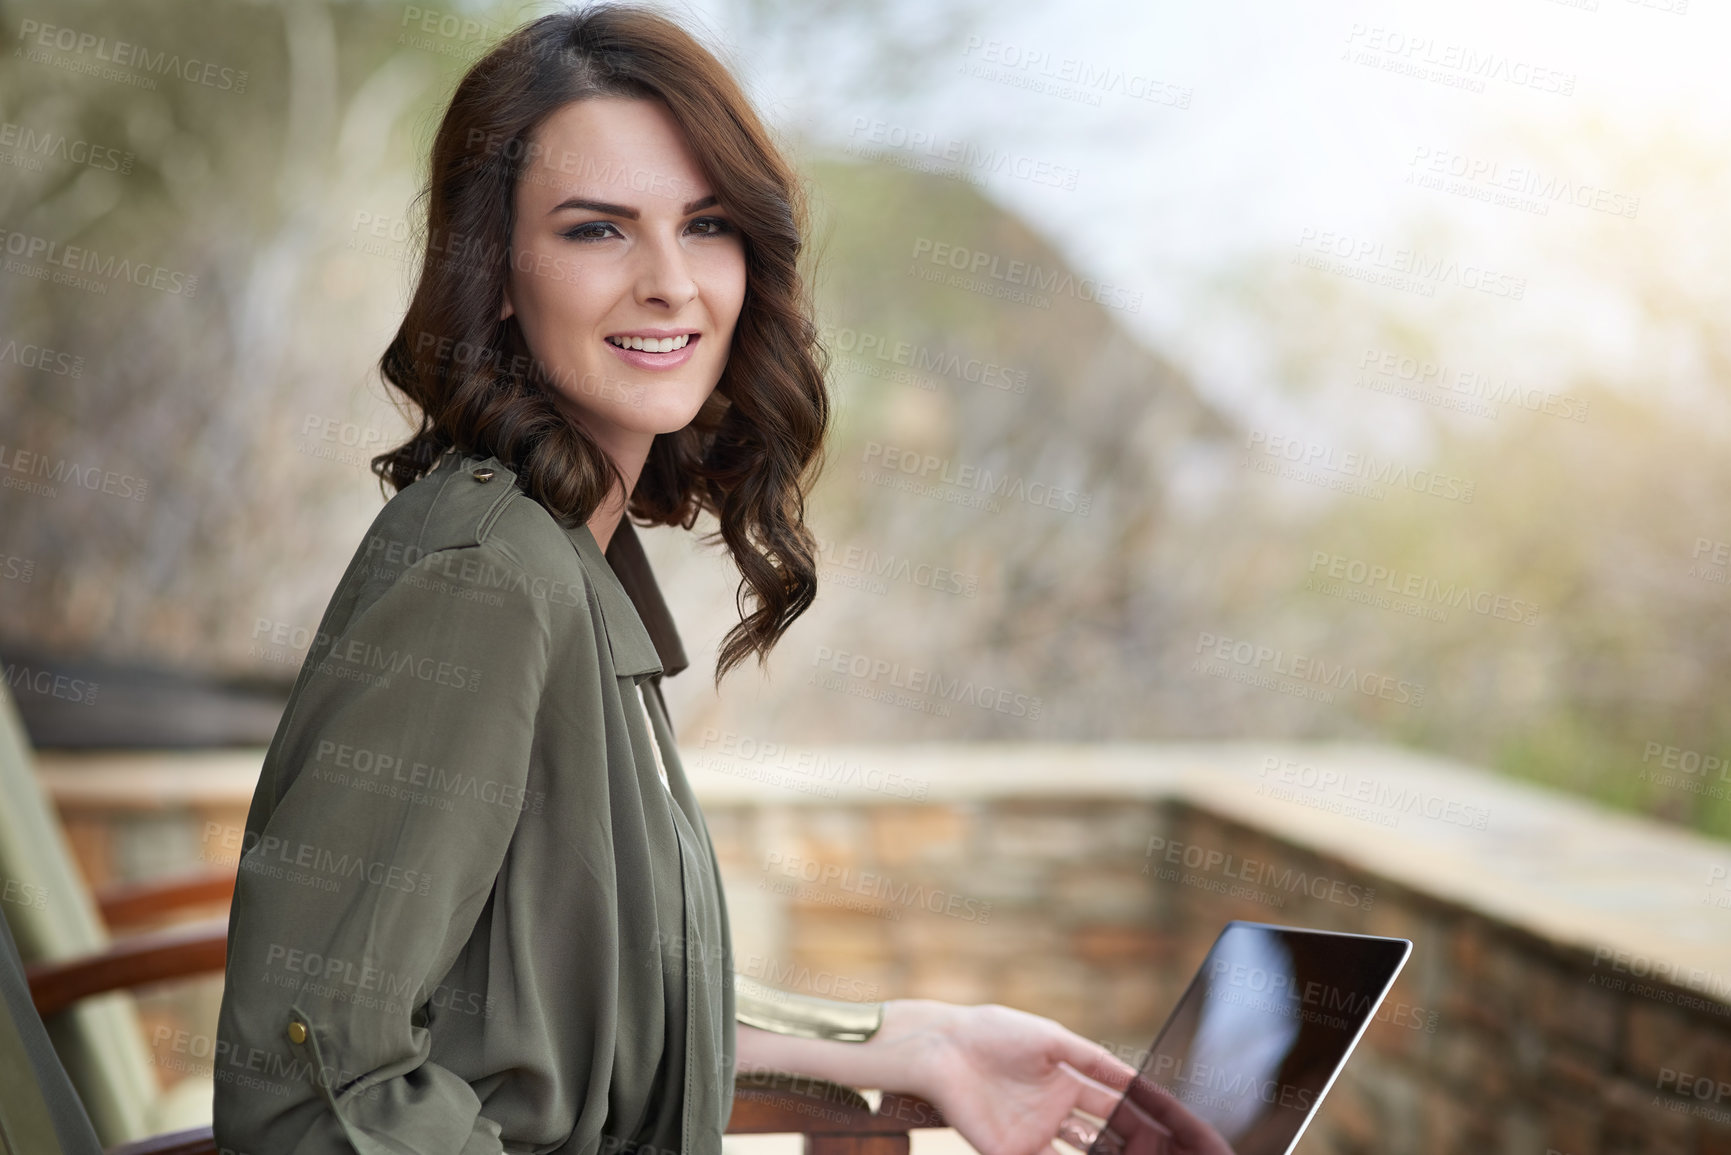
<point x="618" y="241"/>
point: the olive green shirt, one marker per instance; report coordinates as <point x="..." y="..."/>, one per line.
<point x="477" y="908"/>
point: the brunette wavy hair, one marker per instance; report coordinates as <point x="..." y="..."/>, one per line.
<point x="752" y="451"/>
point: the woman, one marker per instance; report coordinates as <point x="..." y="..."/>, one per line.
<point x="477" y="908"/>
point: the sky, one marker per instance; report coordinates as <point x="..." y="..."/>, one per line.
<point x="1271" y="123"/>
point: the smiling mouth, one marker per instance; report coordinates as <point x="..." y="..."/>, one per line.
<point x="653" y="344"/>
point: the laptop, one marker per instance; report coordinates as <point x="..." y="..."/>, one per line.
<point x="1244" y="1060"/>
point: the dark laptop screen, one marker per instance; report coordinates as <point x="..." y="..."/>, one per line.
<point x="1244" y="1059"/>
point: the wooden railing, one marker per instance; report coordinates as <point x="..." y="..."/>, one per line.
<point x="835" y="1120"/>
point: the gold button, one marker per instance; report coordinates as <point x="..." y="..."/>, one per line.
<point x="297" y="1031"/>
<point x="482" y="474"/>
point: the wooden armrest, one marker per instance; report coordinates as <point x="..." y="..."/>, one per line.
<point x="765" y="1102"/>
<point x="128" y="903"/>
<point x="836" y="1118"/>
<point x="193" y="1141"/>
<point x="197" y="948"/>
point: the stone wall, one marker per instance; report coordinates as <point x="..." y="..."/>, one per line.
<point x="1087" y="883"/>
<point x="1492" y="1040"/>
<point x="1097" y="911"/>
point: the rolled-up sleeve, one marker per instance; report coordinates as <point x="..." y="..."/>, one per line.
<point x="385" y="809"/>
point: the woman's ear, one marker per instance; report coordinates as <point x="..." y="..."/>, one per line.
<point x="506" y="310"/>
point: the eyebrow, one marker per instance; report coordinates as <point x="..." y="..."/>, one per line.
<point x="628" y="213"/>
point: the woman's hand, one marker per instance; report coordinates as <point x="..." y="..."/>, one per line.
<point x="1005" y="1079"/>
<point x="1155" y="1123"/>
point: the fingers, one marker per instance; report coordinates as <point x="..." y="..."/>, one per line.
<point x="1177" y="1118"/>
<point x="1100" y="1076"/>
<point x="1152" y="1111"/>
<point x="1096" y="1062"/>
<point x="1093" y="1097"/>
<point x="1093" y="1065"/>
<point x="1140" y="1133"/>
<point x="1078" y="1132"/>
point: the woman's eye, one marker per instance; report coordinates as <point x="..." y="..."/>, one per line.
<point x="602" y="230"/>
<point x="588" y="231"/>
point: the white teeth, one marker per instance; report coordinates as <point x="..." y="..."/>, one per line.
<point x="652" y="344"/>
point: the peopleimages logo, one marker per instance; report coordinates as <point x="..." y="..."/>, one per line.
<point x="1688" y="762"/>
<point x="926" y="151"/>
<point x="16" y="890"/>
<point x="1711" y="561"/>
<point x="776" y="756"/>
<point x="70" y="264"/>
<point x="395" y="775"/>
<point x="1464" y="66"/>
<point x="878" y="886"/>
<point x="275" y="857"/>
<point x="1230" y="867"/>
<point x="1364" y="259"/>
<point x="1305" y="668"/>
<point x="1470" y="385"/>
<point x="1069" y="77"/>
<point x="37" y="681"/>
<point x="42" y="359"/>
<point x="35" y="145"/>
<point x="1349" y="471"/>
<point x="1329" y="573"/>
<point x="445" y="33"/>
<point x="1057" y="282"/>
<point x="35" y="38"/>
<point x="924" y="683"/>
<point x="1228" y="1083"/>
<point x="1346" y="787"/>
<point x="875" y="569"/>
<point x="58" y="471"/>
<point x="1518" y="185"/>
<point x="1706" y="990"/>
<point x="924" y="473"/>
<point x="873" y="353"/>
<point x="1279" y="992"/>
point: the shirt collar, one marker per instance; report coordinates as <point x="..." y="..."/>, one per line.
<point x="640" y="631"/>
<point x="631" y="566"/>
<point x="633" y="649"/>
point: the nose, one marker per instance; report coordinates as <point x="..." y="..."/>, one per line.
<point x="664" y="274"/>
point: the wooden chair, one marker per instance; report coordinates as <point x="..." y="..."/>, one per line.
<point x="62" y="928"/>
